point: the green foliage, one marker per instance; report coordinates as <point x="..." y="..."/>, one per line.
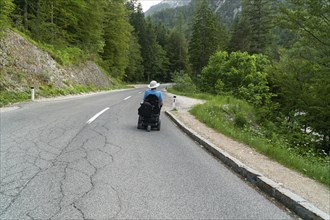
<point x="240" y="32"/>
<point x="238" y="120"/>
<point x="10" y="97"/>
<point x="53" y="21"/>
<point x="155" y="61"/>
<point x="239" y="74"/>
<point x="134" y="70"/>
<point x="6" y="7"/>
<point x="177" y="51"/>
<point x="152" y="39"/>
<point x="203" y="42"/>
<point x="251" y="31"/>
<point x="90" y="31"/>
<point x="65" y="55"/>
<point x="303" y="90"/>
<point x="115" y="51"/>
<point x="301" y="77"/>
<point x="202" y="96"/>
<point x="310" y="20"/>
<point x="183" y="83"/>
<point x="172" y="16"/>
<point x="69" y="90"/>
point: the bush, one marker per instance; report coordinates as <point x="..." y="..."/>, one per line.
<point x="183" y="82"/>
<point x="66" y="55"/>
<point x="237" y="119"/>
<point x="240" y="120"/>
<point x="8" y="97"/>
<point x="240" y="74"/>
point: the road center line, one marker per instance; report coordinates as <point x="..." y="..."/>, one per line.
<point x="97" y="115"/>
<point x="127" y="98"/>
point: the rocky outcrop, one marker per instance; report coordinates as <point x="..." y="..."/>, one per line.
<point x="22" y="65"/>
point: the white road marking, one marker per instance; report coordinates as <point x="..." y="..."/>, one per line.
<point x="127" y="98"/>
<point x="140" y="92"/>
<point x="97" y="115"/>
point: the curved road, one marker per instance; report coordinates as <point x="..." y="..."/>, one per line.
<point x="84" y="158"/>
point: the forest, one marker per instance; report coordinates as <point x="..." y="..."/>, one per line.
<point x="275" y="55"/>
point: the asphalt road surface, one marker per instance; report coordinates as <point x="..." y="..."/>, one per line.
<point x="84" y="158"/>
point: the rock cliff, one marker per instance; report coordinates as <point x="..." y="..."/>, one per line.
<point x="22" y="65"/>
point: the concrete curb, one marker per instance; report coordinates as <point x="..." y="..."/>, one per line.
<point x="297" y="204"/>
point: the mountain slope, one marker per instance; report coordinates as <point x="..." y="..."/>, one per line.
<point x="22" y="64"/>
<point x="225" y="10"/>
<point x="165" y="4"/>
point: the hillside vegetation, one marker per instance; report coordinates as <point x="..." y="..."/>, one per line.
<point x="275" y="57"/>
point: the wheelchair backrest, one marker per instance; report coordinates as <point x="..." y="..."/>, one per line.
<point x="152" y="99"/>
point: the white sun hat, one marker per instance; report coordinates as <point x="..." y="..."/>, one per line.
<point x="153" y="84"/>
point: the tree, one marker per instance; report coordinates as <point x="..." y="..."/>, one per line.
<point x="203" y="42"/>
<point x="239" y="74"/>
<point x="177" y="52"/>
<point x="134" y="71"/>
<point x="90" y="31"/>
<point x="117" y="33"/>
<point x="155" y="61"/>
<point x="301" y="77"/>
<point x="54" y="22"/>
<point x="254" y="26"/>
<point x="6" y="7"/>
<point x="310" y="20"/>
<point x="21" y="13"/>
<point x="240" y="32"/>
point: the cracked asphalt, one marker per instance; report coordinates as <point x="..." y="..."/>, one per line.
<point x="54" y="165"/>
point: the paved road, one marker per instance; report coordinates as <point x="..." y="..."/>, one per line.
<point x="60" y="162"/>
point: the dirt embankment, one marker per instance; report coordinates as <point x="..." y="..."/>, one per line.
<point x="23" y="65"/>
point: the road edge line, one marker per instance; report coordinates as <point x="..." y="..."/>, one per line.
<point x="292" y="201"/>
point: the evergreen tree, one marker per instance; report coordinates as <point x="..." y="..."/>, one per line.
<point x="22" y="12"/>
<point x="134" y="71"/>
<point x="162" y="34"/>
<point x="140" y="29"/>
<point x="90" y="26"/>
<point x="258" y="14"/>
<point x="53" y="21"/>
<point x="177" y="51"/>
<point x="240" y="33"/>
<point x="6" y="7"/>
<point x="155" y="61"/>
<point x="203" y="42"/>
<point x="117" y="33"/>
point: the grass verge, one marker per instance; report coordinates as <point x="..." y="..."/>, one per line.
<point x="236" y="119"/>
<point x="204" y="96"/>
<point x="8" y="97"/>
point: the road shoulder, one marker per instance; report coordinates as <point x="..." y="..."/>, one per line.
<point x="311" y="191"/>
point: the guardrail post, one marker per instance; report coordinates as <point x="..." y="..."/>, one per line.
<point x="173" y="102"/>
<point x="32" y="93"/>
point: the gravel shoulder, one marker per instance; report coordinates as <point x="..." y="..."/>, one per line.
<point x="309" y="189"/>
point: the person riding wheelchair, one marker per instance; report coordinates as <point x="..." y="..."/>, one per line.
<point x="149" y="111"/>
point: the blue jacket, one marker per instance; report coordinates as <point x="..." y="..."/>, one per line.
<point x="154" y="92"/>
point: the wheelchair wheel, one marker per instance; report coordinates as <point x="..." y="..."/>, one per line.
<point x="139" y="125"/>
<point x="158" y="126"/>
